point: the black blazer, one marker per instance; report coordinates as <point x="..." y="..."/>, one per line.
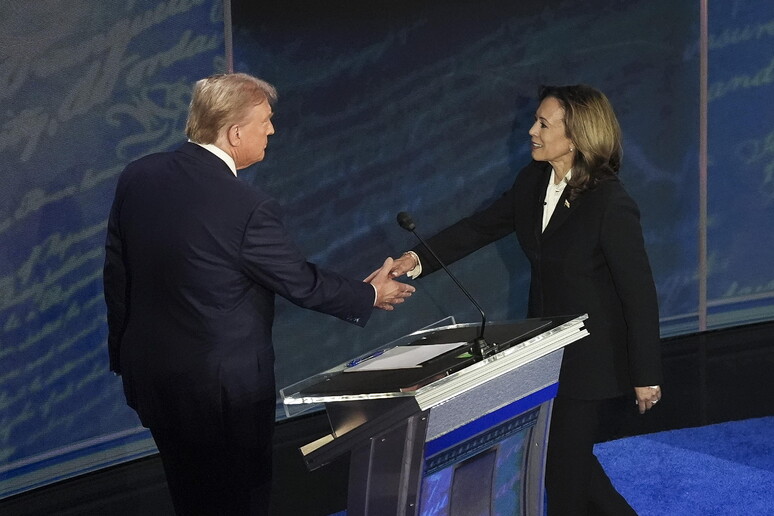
<point x="194" y="258"/>
<point x="590" y="259"/>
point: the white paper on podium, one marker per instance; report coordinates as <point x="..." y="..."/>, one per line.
<point x="403" y="357"/>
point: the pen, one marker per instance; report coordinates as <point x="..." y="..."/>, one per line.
<point x="353" y="363"/>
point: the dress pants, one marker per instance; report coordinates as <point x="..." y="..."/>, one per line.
<point x="576" y="484"/>
<point x="231" y="477"/>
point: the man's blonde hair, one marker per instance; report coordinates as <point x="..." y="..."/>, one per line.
<point x="223" y="100"/>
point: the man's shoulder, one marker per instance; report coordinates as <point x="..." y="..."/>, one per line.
<point x="148" y="161"/>
<point x="203" y="170"/>
<point x="185" y="151"/>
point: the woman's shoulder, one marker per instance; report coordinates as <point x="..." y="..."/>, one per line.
<point x="609" y="186"/>
<point x="612" y="194"/>
<point x="609" y="191"/>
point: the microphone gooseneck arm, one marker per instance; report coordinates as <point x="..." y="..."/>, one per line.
<point x="481" y="348"/>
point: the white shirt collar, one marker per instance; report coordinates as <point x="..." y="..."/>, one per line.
<point x="228" y="160"/>
<point x="553" y="193"/>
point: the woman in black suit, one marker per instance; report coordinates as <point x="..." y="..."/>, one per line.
<point x="581" y="233"/>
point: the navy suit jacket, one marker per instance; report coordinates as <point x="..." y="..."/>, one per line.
<point x="590" y="259"/>
<point x="194" y="258"/>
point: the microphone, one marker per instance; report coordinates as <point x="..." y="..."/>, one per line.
<point x="481" y="349"/>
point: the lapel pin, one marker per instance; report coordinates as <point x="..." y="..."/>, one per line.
<point x="566" y="203"/>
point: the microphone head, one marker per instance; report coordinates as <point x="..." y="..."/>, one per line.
<point x="404" y="219"/>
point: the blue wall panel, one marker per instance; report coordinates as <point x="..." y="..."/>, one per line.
<point x="421" y="106"/>
<point x="84" y="87"/>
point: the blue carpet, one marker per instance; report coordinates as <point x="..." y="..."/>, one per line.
<point x="723" y="469"/>
<point x="718" y="470"/>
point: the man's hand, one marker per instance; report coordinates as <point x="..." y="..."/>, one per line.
<point x="388" y="291"/>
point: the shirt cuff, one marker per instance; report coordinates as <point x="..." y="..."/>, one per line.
<point x="416" y="271"/>
<point x="376" y="293"/>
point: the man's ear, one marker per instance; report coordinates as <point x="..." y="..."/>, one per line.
<point x="233" y="135"/>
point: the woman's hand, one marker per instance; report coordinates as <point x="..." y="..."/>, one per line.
<point x="404" y="264"/>
<point x="647" y="397"/>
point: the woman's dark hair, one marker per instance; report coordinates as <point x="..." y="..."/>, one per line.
<point x="591" y="125"/>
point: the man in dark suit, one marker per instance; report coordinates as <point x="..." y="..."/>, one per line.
<point x="194" y="258"/>
<point x="581" y="232"/>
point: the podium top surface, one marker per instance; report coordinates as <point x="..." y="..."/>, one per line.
<point x="518" y="342"/>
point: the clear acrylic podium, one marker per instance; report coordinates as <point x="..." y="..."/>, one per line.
<point x="452" y="435"/>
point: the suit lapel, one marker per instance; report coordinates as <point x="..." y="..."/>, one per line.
<point x="562" y="212"/>
<point x="540" y="198"/>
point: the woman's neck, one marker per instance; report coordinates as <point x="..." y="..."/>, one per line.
<point x="560" y="174"/>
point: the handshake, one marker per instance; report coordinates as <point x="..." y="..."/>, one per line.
<point x="388" y="291"/>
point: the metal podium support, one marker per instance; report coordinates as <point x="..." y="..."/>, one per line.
<point x="451" y="435"/>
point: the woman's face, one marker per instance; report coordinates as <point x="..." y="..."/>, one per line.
<point x="549" y="142"/>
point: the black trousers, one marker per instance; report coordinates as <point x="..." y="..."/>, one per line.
<point x="576" y="484"/>
<point x="230" y="477"/>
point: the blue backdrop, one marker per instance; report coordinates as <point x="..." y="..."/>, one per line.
<point x="425" y="107"/>
<point x="421" y="106"/>
<point x="84" y="87"/>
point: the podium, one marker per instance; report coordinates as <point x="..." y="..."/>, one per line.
<point x="451" y="434"/>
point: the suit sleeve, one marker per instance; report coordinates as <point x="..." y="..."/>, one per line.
<point x="116" y="287"/>
<point x="469" y="234"/>
<point x="271" y="258"/>
<point x="624" y="249"/>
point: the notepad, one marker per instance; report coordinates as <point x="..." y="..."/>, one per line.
<point x="404" y="357"/>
